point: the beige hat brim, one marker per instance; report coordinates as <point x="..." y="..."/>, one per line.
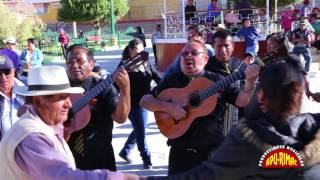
<point x="23" y="90"/>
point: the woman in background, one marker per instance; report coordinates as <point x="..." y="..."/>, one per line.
<point x="140" y="80"/>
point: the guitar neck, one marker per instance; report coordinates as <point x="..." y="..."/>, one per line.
<point x="223" y="83"/>
<point x="105" y="84"/>
<point x="92" y="93"/>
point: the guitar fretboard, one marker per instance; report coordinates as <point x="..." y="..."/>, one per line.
<point x="93" y="92"/>
<point x="223" y="83"/>
<point x="105" y="84"/>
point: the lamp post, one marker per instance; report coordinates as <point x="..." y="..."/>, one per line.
<point x="113" y="31"/>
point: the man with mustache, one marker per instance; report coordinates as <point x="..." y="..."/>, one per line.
<point x="91" y="146"/>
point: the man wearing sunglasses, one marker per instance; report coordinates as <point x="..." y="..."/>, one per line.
<point x="10" y="102"/>
<point x="205" y="133"/>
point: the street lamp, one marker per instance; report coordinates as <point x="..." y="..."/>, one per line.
<point x="113" y="31"/>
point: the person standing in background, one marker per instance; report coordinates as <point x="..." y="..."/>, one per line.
<point x="212" y="11"/>
<point x="302" y="42"/>
<point x="64" y="41"/>
<point x="189" y="10"/>
<point x="157" y="34"/>
<point x="140" y="80"/>
<point x="250" y="36"/>
<point x="10" y="43"/>
<point x="30" y="58"/>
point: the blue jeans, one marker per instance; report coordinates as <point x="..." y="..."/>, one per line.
<point x="253" y="49"/>
<point x="306" y="53"/>
<point x="138" y="117"/>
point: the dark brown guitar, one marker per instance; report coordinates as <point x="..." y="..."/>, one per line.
<point x="79" y="114"/>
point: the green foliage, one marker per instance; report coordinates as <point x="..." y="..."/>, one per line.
<point x="19" y="25"/>
<point x="95" y="12"/>
<point x="262" y="3"/>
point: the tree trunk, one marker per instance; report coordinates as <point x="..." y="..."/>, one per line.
<point x="75" y="29"/>
<point x="98" y="28"/>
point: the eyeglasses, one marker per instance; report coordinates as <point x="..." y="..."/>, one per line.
<point x="193" y="53"/>
<point x="5" y="71"/>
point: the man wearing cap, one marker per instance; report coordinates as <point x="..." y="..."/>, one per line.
<point x="91" y="146"/>
<point x="302" y="42"/>
<point x="10" y="102"/>
<point x="10" y="43"/>
<point x="34" y="148"/>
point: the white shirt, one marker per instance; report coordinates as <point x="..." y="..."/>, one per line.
<point x="10" y="108"/>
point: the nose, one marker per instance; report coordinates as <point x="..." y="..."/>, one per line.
<point x="68" y="103"/>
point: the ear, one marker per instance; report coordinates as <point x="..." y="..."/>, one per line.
<point x="91" y="63"/>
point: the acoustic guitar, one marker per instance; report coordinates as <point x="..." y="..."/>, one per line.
<point x="199" y="98"/>
<point x="78" y="121"/>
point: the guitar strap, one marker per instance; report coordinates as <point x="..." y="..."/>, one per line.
<point x="231" y="114"/>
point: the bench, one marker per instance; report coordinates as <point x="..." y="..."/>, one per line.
<point x="96" y="39"/>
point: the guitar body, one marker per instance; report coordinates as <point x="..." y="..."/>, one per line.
<point x="80" y="119"/>
<point x="172" y="128"/>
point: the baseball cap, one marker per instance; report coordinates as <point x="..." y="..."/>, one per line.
<point x="10" y="40"/>
<point x="5" y="62"/>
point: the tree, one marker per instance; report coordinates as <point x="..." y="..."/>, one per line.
<point x="20" y="23"/>
<point x="97" y="12"/>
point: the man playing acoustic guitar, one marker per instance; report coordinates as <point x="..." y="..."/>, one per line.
<point x="91" y="146"/>
<point x="205" y="133"/>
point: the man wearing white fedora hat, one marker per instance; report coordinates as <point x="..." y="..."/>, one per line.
<point x="91" y="146"/>
<point x="34" y="147"/>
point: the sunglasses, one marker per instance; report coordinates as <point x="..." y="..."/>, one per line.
<point x="5" y="71"/>
<point x="193" y="53"/>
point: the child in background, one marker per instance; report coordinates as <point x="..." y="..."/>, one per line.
<point x="250" y="35"/>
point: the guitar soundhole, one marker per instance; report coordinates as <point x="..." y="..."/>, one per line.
<point x="194" y="99"/>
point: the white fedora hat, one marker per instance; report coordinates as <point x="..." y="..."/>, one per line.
<point x="48" y="80"/>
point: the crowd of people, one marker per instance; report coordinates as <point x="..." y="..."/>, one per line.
<point x="56" y="122"/>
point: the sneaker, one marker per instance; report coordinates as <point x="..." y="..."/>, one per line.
<point x="147" y="165"/>
<point x="126" y="158"/>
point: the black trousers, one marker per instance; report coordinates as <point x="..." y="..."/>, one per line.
<point x="154" y="47"/>
<point x="183" y="159"/>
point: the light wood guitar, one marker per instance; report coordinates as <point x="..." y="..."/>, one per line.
<point x="199" y="98"/>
